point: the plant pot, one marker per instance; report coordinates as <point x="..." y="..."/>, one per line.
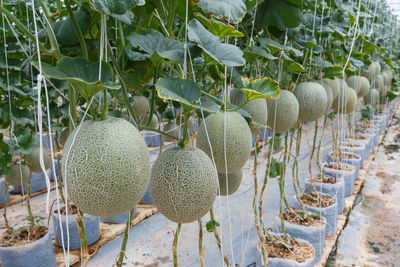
<point x="362" y="141"/>
<point x="378" y="123"/>
<point x="329" y="213"/>
<point x="347" y="175"/>
<point x="92" y="230"/>
<point x="375" y="132"/>
<point x="349" y="146"/>
<point x="315" y="235"/>
<point x="2" y="188"/>
<point x="117" y="219"/>
<point x="371" y="140"/>
<point x="281" y="262"/>
<point x="147" y="199"/>
<point x="348" y="158"/>
<point x="38" y="183"/>
<point x="153" y="139"/>
<point x="336" y="191"/>
<point x="39" y="253"/>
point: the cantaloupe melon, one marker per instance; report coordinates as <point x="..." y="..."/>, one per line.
<point x="328" y="91"/>
<point x="18" y="173"/>
<point x="370" y="73"/>
<point x="106" y="167"/>
<point x="236" y="143"/>
<point x="372" y="97"/>
<point x="386" y="76"/>
<point x="355" y="83"/>
<point x="171" y="128"/>
<point x="234" y="181"/>
<point x="334" y="84"/>
<point x="33" y="159"/>
<point x="257" y="108"/>
<point x="153" y="123"/>
<point x="312" y="100"/>
<point x="376" y="67"/>
<point x="351" y="103"/>
<point x="287" y="112"/>
<point x="340" y="102"/>
<point x="365" y="87"/>
<point x="184" y="184"/>
<point x="141" y="105"/>
<point x="378" y="83"/>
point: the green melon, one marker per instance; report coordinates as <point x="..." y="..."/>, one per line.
<point x="171" y="128"/>
<point x="184" y="184"/>
<point x="364" y="88"/>
<point x="351" y="103"/>
<point x="342" y="98"/>
<point x="372" y="97"/>
<point x="386" y="77"/>
<point x="107" y="168"/>
<point x="328" y="91"/>
<point x="141" y="105"/>
<point x="238" y="140"/>
<point x="257" y="108"/>
<point x="153" y="123"/>
<point x="33" y="159"/>
<point x="334" y="84"/>
<point x="376" y="67"/>
<point x="312" y="100"/>
<point x="355" y="82"/>
<point x="287" y="112"/>
<point x="234" y="181"/>
<point x="370" y="73"/>
<point x="18" y="172"/>
<point x="379" y="83"/>
<point x="64" y="136"/>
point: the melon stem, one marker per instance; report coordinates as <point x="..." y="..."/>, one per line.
<point x="175" y="245"/>
<point x="216" y="235"/>
<point x="201" y="252"/>
<point x="5" y="207"/>
<point x="82" y="237"/>
<point x="121" y="257"/>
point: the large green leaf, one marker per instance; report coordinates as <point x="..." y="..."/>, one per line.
<point x="231" y="10"/>
<point x="82" y="74"/>
<point x="226" y="54"/>
<point x="65" y="31"/>
<point x="333" y="71"/>
<point x="254" y="52"/>
<point x="290" y="65"/>
<point x="263" y="87"/>
<point x="153" y="42"/>
<point x="5" y="157"/>
<point x="280" y="13"/>
<point x="118" y="7"/>
<point x="218" y="28"/>
<point x="23" y="143"/>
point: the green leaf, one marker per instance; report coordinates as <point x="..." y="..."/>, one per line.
<point x="333" y="71"/>
<point x="253" y="52"/>
<point x="272" y="45"/>
<point x="82" y="74"/>
<point x="275" y="169"/>
<point x="115" y="7"/>
<point x="5" y="157"/>
<point x="226" y="54"/>
<point x="125" y="18"/>
<point x="23" y="143"/>
<point x="263" y="87"/>
<point x="366" y="113"/>
<point x="292" y="66"/>
<point x="218" y="28"/>
<point x="280" y="13"/>
<point x="65" y="31"/>
<point x="12" y="63"/>
<point x="392" y="95"/>
<point x="153" y="42"/>
<point x="211" y="225"/>
<point x="231" y="10"/>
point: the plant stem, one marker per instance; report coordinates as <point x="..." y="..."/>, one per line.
<point x="319" y="145"/>
<point x="182" y="143"/>
<point x="175" y="245"/>
<point x="153" y="99"/>
<point x="313" y="149"/>
<point x="105" y="112"/>
<point x="295" y="168"/>
<point x="46" y="11"/>
<point x="148" y="128"/>
<point x="5" y="207"/>
<point x="219" y="101"/>
<point x="298" y="145"/>
<point x="77" y="29"/>
<point x="260" y="205"/>
<point x="282" y="185"/>
<point x="201" y="252"/>
<point x="82" y="237"/>
<point x="171" y="15"/>
<point x="125" y="239"/>
<point x="28" y="203"/>
<point x="216" y="235"/>
<point x="72" y="108"/>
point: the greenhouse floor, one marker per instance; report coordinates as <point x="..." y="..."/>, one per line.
<point x="372" y="235"/>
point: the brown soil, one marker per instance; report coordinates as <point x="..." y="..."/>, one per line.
<point x="348" y="144"/>
<point x="299" y="252"/>
<point x="358" y="137"/>
<point x="304" y="218"/>
<point x="325" y="180"/>
<point x="317" y="200"/>
<point x="342" y="167"/>
<point x="22" y="236"/>
<point x="346" y="155"/>
<point x="71" y="211"/>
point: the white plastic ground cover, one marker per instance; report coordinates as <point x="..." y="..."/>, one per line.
<point x="117" y="219"/>
<point x="347" y="176"/>
<point x="2" y="188"/>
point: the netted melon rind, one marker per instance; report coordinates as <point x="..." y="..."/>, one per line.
<point x="33" y="159"/>
<point x="141" y="105"/>
<point x="14" y="178"/>
<point x="234" y="181"/>
<point x="351" y="101"/>
<point x="372" y="98"/>
<point x="108" y="167"/>
<point x="312" y="100"/>
<point x="287" y="112"/>
<point x="329" y="95"/>
<point x="238" y="140"/>
<point x="184" y="184"/>
<point x="153" y="123"/>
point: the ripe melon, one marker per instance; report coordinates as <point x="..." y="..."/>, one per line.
<point x="365" y="87"/>
<point x="312" y="100"/>
<point x="33" y="159"/>
<point x="386" y="76"/>
<point x="351" y="103"/>
<point x="378" y="83"/>
<point x="107" y="168"/>
<point x="184" y="184"/>
<point x="238" y="140"/>
<point x="334" y="84"/>
<point x="18" y="172"/>
<point x="355" y="83"/>
<point x="370" y="73"/>
<point x="153" y="123"/>
<point x="140" y="105"/>
<point x="257" y="108"/>
<point x="342" y="98"/>
<point x="234" y="181"/>
<point x="328" y="91"/>
<point x="372" y="97"/>
<point x="287" y="112"/>
<point x="64" y="136"/>
<point x="171" y="128"/>
<point x="376" y="67"/>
